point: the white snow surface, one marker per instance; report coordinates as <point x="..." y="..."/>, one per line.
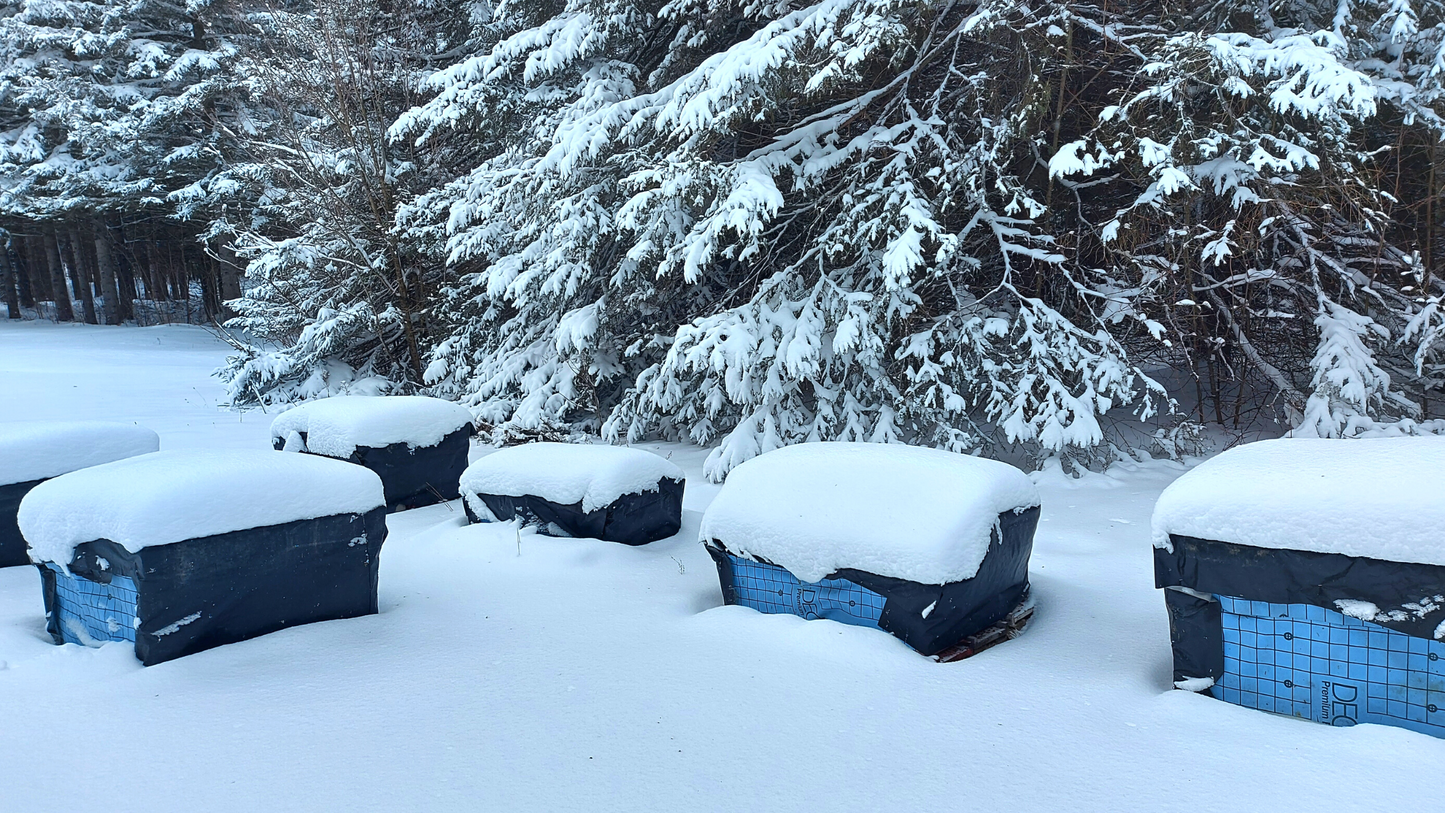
<point x="594" y="475"/>
<point x="1377" y="498"/>
<point x="504" y="667"/>
<point x="336" y="426"/>
<point x="36" y="450"/>
<point x="924" y="515"/>
<point x="167" y="497"/>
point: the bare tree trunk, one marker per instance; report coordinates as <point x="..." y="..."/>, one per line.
<point x="165" y="264"/>
<point x="211" y="288"/>
<point x="19" y="264"/>
<point x="203" y="269"/>
<point x="58" y="290"/>
<point x="125" y="270"/>
<point x="85" y="240"/>
<point x="125" y="279"/>
<point x="157" y="287"/>
<point x="80" y="275"/>
<point x="176" y="263"/>
<point x="144" y="272"/>
<point x="108" y="283"/>
<point x="39" y="269"/>
<point x="190" y="273"/>
<point x="10" y="284"/>
<point x="230" y="277"/>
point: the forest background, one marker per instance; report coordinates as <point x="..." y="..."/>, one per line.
<point x="1070" y="231"/>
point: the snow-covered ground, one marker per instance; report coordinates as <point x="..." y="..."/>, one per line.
<point x="529" y="673"/>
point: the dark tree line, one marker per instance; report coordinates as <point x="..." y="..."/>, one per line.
<point x="112" y="273"/>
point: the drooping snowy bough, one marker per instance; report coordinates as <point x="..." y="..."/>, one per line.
<point x="603" y="492"/>
<point x="929" y="545"/>
<point x="417" y="445"/>
<point x="34" y="451"/>
<point x="186" y="550"/>
<point x="1307" y="577"/>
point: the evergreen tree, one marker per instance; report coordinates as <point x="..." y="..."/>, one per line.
<point x="336" y="298"/>
<point x="105" y="110"/>
<point x="1249" y="176"/>
<point x="982" y="226"/>
<point x="770" y="224"/>
<point x="967" y="225"/>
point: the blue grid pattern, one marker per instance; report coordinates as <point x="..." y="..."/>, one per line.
<point x="1318" y="664"/>
<point x="91" y="613"/>
<point x="772" y="589"/>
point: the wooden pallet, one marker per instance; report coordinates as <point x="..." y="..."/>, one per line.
<point x="1012" y="626"/>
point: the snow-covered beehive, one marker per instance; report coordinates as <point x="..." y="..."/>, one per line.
<point x="417" y="445"/>
<point x="186" y="550"/>
<point x="1307" y="577"/>
<point x="34" y="451"/>
<point x="929" y="545"/>
<point x="602" y="492"/>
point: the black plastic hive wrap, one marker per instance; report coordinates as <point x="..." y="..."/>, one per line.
<point x="1327" y="637"/>
<point x="901" y="607"/>
<point x="12" y="544"/>
<point x="201" y="593"/>
<point x="414" y="477"/>
<point x="1279" y="577"/>
<point x="632" y="519"/>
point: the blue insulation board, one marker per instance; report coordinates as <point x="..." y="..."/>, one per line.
<point x="772" y="589"/>
<point x="1310" y="662"/>
<point x="94" y="611"/>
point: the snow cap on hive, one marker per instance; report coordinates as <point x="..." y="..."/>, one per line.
<point x="1377" y="498"/>
<point x="167" y="497"/>
<point x="593" y="475"/>
<point x="336" y="426"/>
<point x="923" y="515"/>
<point x="36" y="450"/>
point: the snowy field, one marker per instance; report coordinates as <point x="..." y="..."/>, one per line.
<point x="511" y="672"/>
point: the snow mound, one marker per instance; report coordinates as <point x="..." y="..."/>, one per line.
<point x="1374" y="498"/>
<point x="336" y="426"/>
<point x="568" y="473"/>
<point x="36" y="450"/>
<point x="167" y="497"/>
<point x="923" y="515"/>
